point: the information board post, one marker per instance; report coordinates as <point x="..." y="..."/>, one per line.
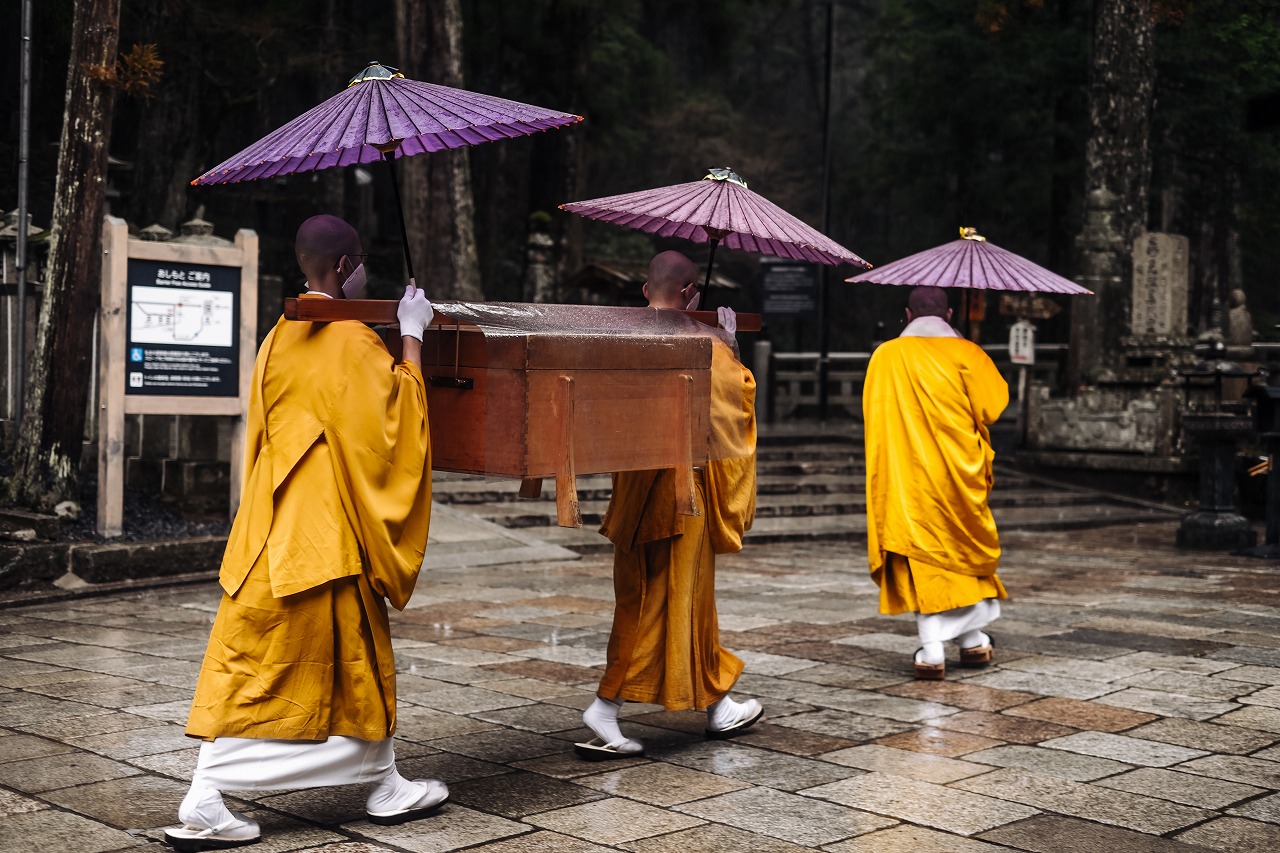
<point x="178" y="333"/>
<point x="789" y="290"/>
<point x="1022" y="352"/>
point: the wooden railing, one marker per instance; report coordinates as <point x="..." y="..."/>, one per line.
<point x="791" y="385"/>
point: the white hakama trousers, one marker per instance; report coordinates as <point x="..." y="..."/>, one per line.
<point x="260" y="764"/>
<point x="961" y="623"/>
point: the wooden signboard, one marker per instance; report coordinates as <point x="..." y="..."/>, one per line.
<point x="178" y="332"/>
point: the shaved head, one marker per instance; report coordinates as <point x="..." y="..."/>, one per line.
<point x="669" y="274"/>
<point x="321" y="241"/>
<point x="928" y="302"/>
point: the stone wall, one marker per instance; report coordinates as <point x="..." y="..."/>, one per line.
<point x="1126" y="419"/>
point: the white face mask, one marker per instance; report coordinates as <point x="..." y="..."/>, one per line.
<point x="353" y="287"/>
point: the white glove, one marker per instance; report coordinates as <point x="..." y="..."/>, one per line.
<point x="728" y="319"/>
<point x="694" y="295"/>
<point x="414" y="312"/>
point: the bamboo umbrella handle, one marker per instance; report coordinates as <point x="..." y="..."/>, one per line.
<point x="384" y="311"/>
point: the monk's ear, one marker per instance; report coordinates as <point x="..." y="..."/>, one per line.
<point x="909" y="317"/>
<point x="645" y="289"/>
<point x="948" y="315"/>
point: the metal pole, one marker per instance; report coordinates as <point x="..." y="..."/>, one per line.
<point x="389" y="158"/>
<point x="24" y="135"/>
<point x="705" y="303"/>
<point x="823" y="339"/>
<point x="1273" y="500"/>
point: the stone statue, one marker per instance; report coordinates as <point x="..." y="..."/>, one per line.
<point x="1239" y="330"/>
<point x="1238" y="337"/>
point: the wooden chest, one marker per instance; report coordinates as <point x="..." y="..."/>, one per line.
<point x="532" y="391"/>
<point x="566" y="390"/>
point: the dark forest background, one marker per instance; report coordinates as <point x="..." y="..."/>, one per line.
<point x="945" y="113"/>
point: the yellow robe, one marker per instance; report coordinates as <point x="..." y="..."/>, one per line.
<point x="926" y="405"/>
<point x="665" y="644"/>
<point x="332" y="524"/>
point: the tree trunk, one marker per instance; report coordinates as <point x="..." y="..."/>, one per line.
<point x="333" y="181"/>
<point x="438" y="204"/>
<point x="1117" y="162"/>
<point x="168" y="123"/>
<point x="47" y="458"/>
<point x="559" y="161"/>
<point x="1064" y="193"/>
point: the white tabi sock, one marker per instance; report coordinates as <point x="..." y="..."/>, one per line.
<point x="931" y="653"/>
<point x="395" y="793"/>
<point x="602" y="718"/>
<point x="725" y="712"/>
<point x="973" y="640"/>
<point x="203" y="808"/>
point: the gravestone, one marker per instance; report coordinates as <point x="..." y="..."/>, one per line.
<point x="1160" y="282"/>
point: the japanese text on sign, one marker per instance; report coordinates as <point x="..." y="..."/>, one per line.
<point x="183" y="329"/>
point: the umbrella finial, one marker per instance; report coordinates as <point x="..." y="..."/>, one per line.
<point x="972" y="234"/>
<point x="725" y="174"/>
<point x="375" y="71"/>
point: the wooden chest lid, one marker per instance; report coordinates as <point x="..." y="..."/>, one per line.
<point x="557" y="337"/>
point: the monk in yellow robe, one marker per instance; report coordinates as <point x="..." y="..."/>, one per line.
<point x="664" y="647"/>
<point x="297" y="687"/>
<point x="927" y="401"/>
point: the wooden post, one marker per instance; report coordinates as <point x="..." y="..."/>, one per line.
<point x="568" y="513"/>
<point x="1023" y="410"/>
<point x="764" y="389"/>
<point x="247" y="243"/>
<point x="685" y="501"/>
<point x="111" y="331"/>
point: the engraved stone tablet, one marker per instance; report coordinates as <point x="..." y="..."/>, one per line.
<point x="1160" y="276"/>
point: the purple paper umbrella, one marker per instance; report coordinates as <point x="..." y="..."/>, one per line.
<point x="718" y="209"/>
<point x="970" y="262"/>
<point x="381" y="115"/>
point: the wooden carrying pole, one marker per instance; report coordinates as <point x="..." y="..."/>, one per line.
<point x="384" y="311"/>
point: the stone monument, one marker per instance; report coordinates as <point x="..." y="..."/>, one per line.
<point x="1124" y="416"/>
<point x="1159" y="306"/>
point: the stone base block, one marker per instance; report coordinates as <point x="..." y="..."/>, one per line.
<point x="1218" y="531"/>
<point x="143" y="473"/>
<point x="45" y="526"/>
<point x="126" y="560"/>
<point x="198" y="486"/>
<point x="31" y="565"/>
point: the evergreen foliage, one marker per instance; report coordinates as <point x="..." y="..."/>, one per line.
<point x="946" y="113"/>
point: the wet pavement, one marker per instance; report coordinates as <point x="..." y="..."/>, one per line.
<point x="1134" y="706"/>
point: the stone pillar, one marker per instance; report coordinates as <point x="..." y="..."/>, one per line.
<point x="1217" y="524"/>
<point x="539" y="276"/>
<point x="1098" y="321"/>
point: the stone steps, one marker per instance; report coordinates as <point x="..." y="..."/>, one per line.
<point x="853" y="527"/>
<point x="542" y="511"/>
<point x="810" y="487"/>
<point x="791" y="509"/>
<point x="462" y="489"/>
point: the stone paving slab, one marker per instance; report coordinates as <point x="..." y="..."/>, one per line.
<point x="1091" y="732"/>
<point x="923" y="803"/>
<point x="1182" y="787"/>
<point x="1058" y="834"/>
<point x="1234" y="834"/>
<point x="1063" y="796"/>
